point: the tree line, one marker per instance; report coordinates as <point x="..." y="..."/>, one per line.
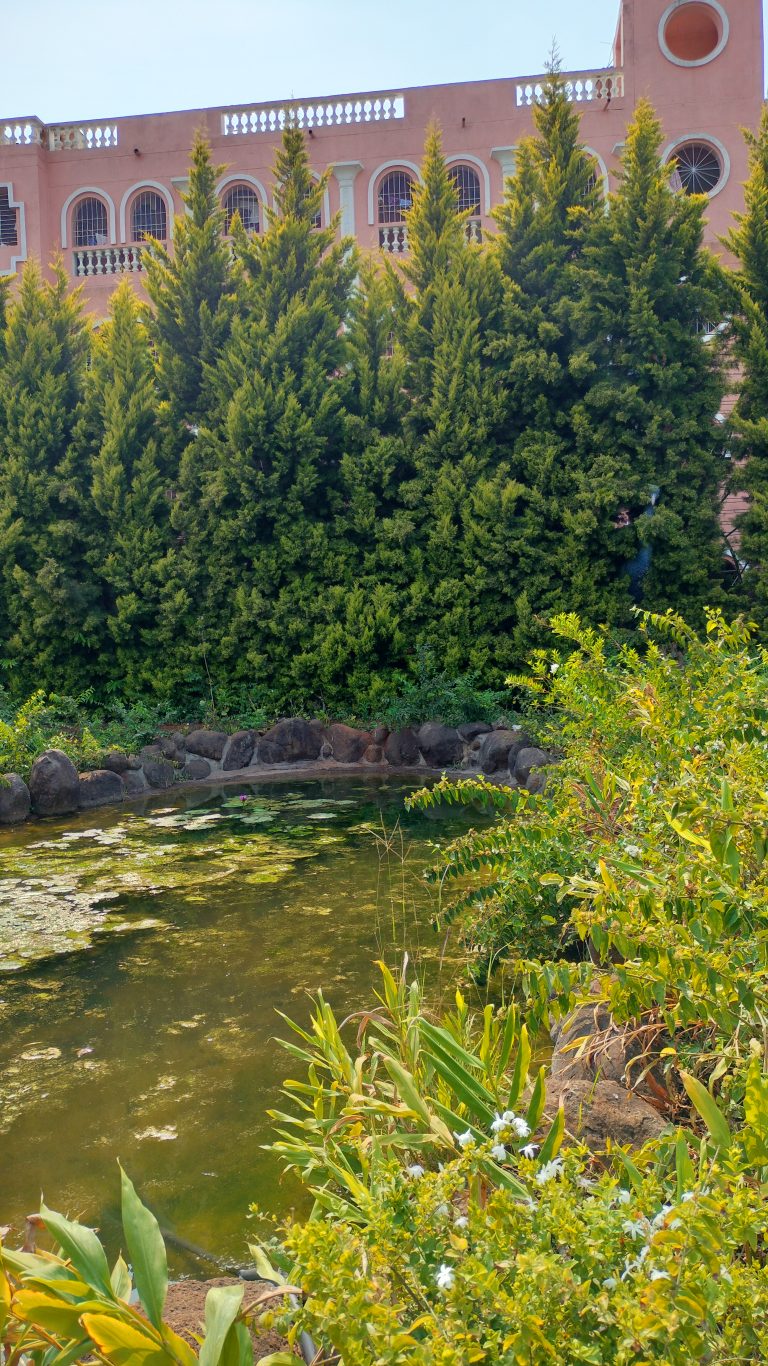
<point x="296" y="469"/>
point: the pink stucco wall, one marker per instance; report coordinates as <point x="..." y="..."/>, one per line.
<point x="44" y="169"/>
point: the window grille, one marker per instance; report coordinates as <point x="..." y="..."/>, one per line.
<point x="395" y="197"/>
<point x="697" y="168"/>
<point x="90" y="223"/>
<point x="243" y="200"/>
<point x="467" y="183"/>
<point x="148" y="217"/>
<point x="9" y="233"/>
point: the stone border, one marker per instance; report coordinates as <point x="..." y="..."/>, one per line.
<point x="291" y="746"/>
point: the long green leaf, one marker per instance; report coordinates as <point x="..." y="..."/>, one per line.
<point x="714" y="1119"/>
<point x="147" y="1250"/>
<point x="522" y="1065"/>
<point x="222" y="1306"/>
<point x="82" y="1248"/>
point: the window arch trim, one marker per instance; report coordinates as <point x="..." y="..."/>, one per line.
<point x="602" y="169"/>
<point x="373" y="183"/>
<point x="82" y="193"/>
<point x="717" y="146"/>
<point x="465" y="159"/>
<point x="228" y="181"/>
<point x="21" y="222"/>
<point x="127" y="201"/>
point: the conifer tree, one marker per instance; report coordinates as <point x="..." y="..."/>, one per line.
<point x="644" y="431"/>
<point x="748" y="241"/>
<point x="49" y="604"/>
<point x="127" y="498"/>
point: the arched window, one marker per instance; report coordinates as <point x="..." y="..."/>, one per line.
<point x="467" y="183"/>
<point x="394" y="200"/>
<point x="148" y="217"/>
<point x="697" y="168"/>
<point x="89" y="223"/>
<point x="245" y="201"/>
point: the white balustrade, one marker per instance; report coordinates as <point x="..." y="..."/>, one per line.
<point x="319" y="114"/>
<point x="583" y="87"/>
<point x="473" y="230"/>
<point x="89" y="261"/>
<point x="82" y="137"/>
<point x="394" y="239"/>
<point x="24" y="134"/>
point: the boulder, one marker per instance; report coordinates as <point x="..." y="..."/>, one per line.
<point x="54" y="784"/>
<point x="535" y="783"/>
<point x="117" y="762"/>
<point x="15" y="801"/>
<point x="173" y="746"/>
<point x="527" y="759"/>
<point x="588" y="1046"/>
<point x="598" y="1110"/>
<point x="441" y="746"/>
<point x="288" y="741"/>
<point x="470" y="730"/>
<point x="195" y="769"/>
<point x="373" y="755"/>
<point x="499" y="749"/>
<point x="209" y="744"/>
<point x="239" y="751"/>
<point x="379" y="735"/>
<point x="402" y="749"/>
<point x="101" y="787"/>
<point x="158" y="771"/>
<point x="348" y="745"/>
<point x="134" y="782"/>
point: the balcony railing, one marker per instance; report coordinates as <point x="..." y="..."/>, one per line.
<point x="318" y="114"/>
<point x="87" y="261"/>
<point x="394" y="240"/>
<point x="23" y="133"/>
<point x="583" y="87"/>
<point x="81" y="137"/>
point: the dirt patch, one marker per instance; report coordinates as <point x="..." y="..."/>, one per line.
<point x="185" y="1313"/>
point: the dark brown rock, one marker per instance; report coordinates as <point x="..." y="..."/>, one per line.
<point x="373" y="755"/>
<point x="158" y="771"/>
<point x="209" y="744"/>
<point x="54" y="785"/>
<point x="588" y="1046"/>
<point x="289" y="740"/>
<point x="15" y="801"/>
<point x="195" y="769"/>
<point x="441" y="746"/>
<point x="134" y="782"/>
<point x="402" y="749"/>
<point x="173" y="746"/>
<point x="499" y="749"/>
<point x="348" y="745"/>
<point x="101" y="787"/>
<point x="379" y="735"/>
<point x="117" y="762"/>
<point x="470" y="730"/>
<point x="239" y="751"/>
<point x="598" y="1110"/>
<point x="528" y="759"/>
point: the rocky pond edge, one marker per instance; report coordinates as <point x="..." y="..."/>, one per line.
<point x="55" y="788"/>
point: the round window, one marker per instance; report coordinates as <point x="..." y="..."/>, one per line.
<point x="693" y="32"/>
<point x="697" y="168"/>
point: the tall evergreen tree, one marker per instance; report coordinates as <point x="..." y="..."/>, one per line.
<point x="645" y="428"/>
<point x="127" y="507"/>
<point x="748" y="241"/>
<point x="48" y="601"/>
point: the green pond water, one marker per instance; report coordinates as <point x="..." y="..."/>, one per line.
<point x="144" y="953"/>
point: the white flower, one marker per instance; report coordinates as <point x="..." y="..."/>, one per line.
<point x="499" y="1123"/>
<point x="461" y="1222"/>
<point x="610" y="1283"/>
<point x="725" y="1275"/>
<point x="549" y="1171"/>
<point x="530" y="1150"/>
<point x="660" y="1218"/>
<point x="623" y="1196"/>
<point x="445" y="1277"/>
<point x="584" y="1183"/>
<point x="499" y="1152"/>
<point x="553" y="668"/>
<point x="660" y="1276"/>
<point x="635" y="1228"/>
<point x="520" y="1126"/>
<point x="464" y="1139"/>
<point x="415" y="1171"/>
<point x="686" y="1196"/>
<point x="632" y="849"/>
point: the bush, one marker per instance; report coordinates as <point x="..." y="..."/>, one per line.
<point x="432" y="694"/>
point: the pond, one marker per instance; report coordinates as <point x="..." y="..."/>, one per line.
<point x="145" y="955"/>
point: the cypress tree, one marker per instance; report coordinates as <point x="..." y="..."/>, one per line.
<point x="49" y="603"/>
<point x="748" y="241"/>
<point x="645" y="428"/>
<point x="127" y="504"/>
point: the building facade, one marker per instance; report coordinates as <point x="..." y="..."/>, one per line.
<point x="95" y="191"/>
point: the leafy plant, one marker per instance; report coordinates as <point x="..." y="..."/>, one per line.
<point x="434" y="694"/>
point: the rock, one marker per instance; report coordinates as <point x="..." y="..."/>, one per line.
<point x="209" y="744"/>
<point x="195" y="769"/>
<point x="100" y="788"/>
<point x="54" y="785"/>
<point x="239" y="751"/>
<point x="158" y="771"/>
<point x="535" y="783"/>
<point x="441" y="746"/>
<point x="373" y="755"/>
<point x="325" y="750"/>
<point x="499" y="749"/>
<point x="318" y="725"/>
<point x="598" y="1110"/>
<point x="288" y="741"/>
<point x="134" y="782"/>
<point x="349" y="745"/>
<point x="470" y="730"/>
<point x="402" y="749"/>
<point x="379" y="735"/>
<point x="15" y="801"/>
<point x="588" y="1046"/>
<point x="528" y="759"/>
<point x="117" y="762"/>
<point x="173" y="746"/>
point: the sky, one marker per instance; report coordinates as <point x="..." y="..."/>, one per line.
<point x="77" y="59"/>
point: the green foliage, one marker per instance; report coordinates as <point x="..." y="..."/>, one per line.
<point x="435" y="693"/>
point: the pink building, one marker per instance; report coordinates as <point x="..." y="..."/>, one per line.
<point x="95" y="190"/>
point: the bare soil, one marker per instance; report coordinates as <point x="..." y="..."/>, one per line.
<point x="185" y="1313"/>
